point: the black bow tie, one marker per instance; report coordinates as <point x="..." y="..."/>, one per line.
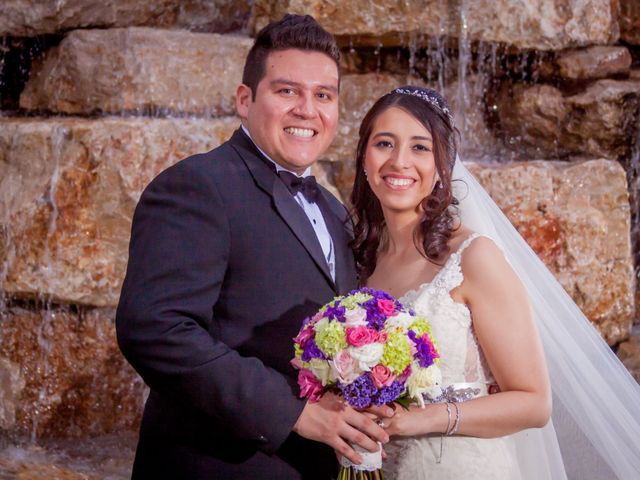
<point x="306" y="185"/>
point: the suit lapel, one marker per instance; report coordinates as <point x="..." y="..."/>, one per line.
<point x="265" y="177"/>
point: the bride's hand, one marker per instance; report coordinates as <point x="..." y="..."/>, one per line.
<point x="407" y="423"/>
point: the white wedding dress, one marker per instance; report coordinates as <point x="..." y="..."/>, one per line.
<point x="465" y="372"/>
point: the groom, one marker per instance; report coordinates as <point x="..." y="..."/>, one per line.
<point x="230" y="250"/>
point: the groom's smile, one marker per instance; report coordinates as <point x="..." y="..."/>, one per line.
<point x="294" y="116"/>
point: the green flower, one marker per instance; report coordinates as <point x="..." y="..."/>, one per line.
<point x="330" y="338"/>
<point x="397" y="353"/>
<point x="353" y="301"/>
<point x="421" y="326"/>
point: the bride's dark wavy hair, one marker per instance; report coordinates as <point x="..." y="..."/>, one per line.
<point x="432" y="234"/>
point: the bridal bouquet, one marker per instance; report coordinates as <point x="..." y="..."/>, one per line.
<point x="368" y="348"/>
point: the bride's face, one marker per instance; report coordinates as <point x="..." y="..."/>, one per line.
<point x="399" y="161"/>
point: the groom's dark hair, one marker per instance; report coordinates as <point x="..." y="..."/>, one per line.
<point x="301" y="32"/>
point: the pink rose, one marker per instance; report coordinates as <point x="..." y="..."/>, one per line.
<point x="303" y="337"/>
<point x="386" y="306"/>
<point x="382" y="336"/>
<point x="382" y="376"/>
<point x="310" y="386"/>
<point x="359" y="336"/>
<point x="344" y="367"/>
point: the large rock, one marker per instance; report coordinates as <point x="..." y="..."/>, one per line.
<point x="68" y="188"/>
<point x="629" y="354"/>
<point x="530" y="24"/>
<point x="76" y="382"/>
<point x="27" y="18"/>
<point x="601" y="121"/>
<point x="575" y="216"/>
<point x="11" y="386"/>
<point x="140" y="70"/>
<point x="594" y="62"/>
<point x="630" y="21"/>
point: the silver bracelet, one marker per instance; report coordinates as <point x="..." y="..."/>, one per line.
<point x="456" y="422"/>
<point x="439" y="459"/>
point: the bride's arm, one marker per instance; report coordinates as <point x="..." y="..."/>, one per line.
<point x="503" y="322"/>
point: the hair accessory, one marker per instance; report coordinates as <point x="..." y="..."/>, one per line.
<point x="429" y="96"/>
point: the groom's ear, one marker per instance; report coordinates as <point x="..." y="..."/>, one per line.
<point x="243" y="99"/>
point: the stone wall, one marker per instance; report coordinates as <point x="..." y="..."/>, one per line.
<point x="547" y="106"/>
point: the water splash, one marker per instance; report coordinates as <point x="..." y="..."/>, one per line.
<point x="464" y="60"/>
<point x="45" y="327"/>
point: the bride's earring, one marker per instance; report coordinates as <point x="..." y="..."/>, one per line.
<point x="365" y="173"/>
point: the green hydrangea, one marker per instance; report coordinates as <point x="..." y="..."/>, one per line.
<point x="421" y="326"/>
<point x="353" y="301"/>
<point x="397" y="353"/>
<point x="330" y="338"/>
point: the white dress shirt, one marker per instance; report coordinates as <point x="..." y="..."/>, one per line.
<point x="313" y="213"/>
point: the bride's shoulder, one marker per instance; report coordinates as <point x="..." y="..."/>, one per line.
<point x="479" y="254"/>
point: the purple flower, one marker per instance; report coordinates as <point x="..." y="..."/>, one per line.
<point x="360" y="392"/>
<point x="426" y="352"/>
<point x="335" y="312"/>
<point x="375" y="317"/>
<point x="311" y="350"/>
<point x="389" y="394"/>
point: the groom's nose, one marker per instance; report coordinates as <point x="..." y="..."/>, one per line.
<point x="305" y="106"/>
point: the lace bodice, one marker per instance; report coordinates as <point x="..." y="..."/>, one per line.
<point x="461" y="359"/>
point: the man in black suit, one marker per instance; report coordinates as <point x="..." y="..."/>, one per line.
<point x="228" y="255"/>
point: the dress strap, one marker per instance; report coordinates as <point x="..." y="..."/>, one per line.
<point x="451" y="275"/>
<point x="467" y="241"/>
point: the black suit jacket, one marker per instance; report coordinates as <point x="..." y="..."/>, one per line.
<point x="223" y="267"/>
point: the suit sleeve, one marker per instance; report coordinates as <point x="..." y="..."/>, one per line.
<point x="177" y="260"/>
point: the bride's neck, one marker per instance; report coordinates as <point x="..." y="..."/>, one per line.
<point x="400" y="233"/>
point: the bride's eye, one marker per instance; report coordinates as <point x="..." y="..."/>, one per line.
<point x="383" y="144"/>
<point x="421" y="148"/>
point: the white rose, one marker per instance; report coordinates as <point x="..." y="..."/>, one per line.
<point x="423" y="380"/>
<point x="355" y="317"/>
<point x="402" y="320"/>
<point x="321" y="369"/>
<point x="368" y="356"/>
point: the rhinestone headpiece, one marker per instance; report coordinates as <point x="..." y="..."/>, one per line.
<point x="429" y="96"/>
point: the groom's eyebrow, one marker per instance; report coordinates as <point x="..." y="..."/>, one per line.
<point x="284" y="81"/>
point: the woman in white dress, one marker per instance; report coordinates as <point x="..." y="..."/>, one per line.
<point x="412" y="239"/>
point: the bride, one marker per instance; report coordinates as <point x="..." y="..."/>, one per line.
<point x="510" y="338"/>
